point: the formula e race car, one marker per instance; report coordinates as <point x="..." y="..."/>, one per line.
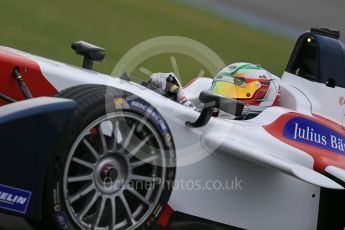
<point x="83" y="150"/>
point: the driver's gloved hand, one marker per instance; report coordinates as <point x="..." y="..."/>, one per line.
<point x="167" y="83"/>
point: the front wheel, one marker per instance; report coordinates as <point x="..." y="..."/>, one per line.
<point x="115" y="165"/>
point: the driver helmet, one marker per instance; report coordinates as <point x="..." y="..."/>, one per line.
<point x="249" y="83"/>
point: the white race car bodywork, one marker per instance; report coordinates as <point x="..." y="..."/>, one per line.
<point x="270" y="184"/>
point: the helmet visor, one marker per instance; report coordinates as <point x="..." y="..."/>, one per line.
<point x="235" y="90"/>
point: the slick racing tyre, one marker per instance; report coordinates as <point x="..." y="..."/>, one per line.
<point x="115" y="164"/>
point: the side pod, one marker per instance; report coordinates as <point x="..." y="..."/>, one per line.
<point x="235" y="147"/>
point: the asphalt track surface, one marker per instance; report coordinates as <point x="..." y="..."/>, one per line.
<point x="286" y="18"/>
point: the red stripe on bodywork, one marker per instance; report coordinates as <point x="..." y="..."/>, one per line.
<point x="322" y="157"/>
<point x="29" y="70"/>
<point x="164" y="218"/>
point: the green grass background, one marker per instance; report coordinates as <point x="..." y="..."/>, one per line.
<point x="47" y="28"/>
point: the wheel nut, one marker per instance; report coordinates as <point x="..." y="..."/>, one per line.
<point x="109" y="172"/>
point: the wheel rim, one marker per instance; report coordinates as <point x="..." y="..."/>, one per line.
<point x="114" y="173"/>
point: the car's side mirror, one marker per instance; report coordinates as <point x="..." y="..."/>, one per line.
<point x="212" y="102"/>
<point x="90" y="52"/>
